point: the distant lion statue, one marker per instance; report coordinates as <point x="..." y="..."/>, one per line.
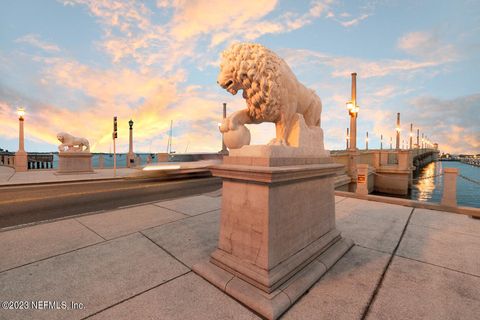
<point x="271" y="90"/>
<point x="71" y="143"/>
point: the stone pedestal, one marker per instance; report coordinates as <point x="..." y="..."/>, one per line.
<point x="74" y="162"/>
<point x="21" y="161"/>
<point x="449" y="197"/>
<point x="130" y="160"/>
<point x="101" y="161"/>
<point x="277" y="233"/>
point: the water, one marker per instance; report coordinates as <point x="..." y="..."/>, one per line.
<point x="108" y="160"/>
<point x="430" y="189"/>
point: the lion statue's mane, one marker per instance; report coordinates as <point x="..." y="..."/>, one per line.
<point x="271" y="90"/>
<point x="72" y="143"/>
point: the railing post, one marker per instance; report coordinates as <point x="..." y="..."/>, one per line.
<point x="449" y="197"/>
<point x="362" y="178"/>
<point x="101" y="161"/>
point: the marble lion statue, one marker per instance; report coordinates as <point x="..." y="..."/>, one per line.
<point x="71" y="143"/>
<point x="271" y="90"/>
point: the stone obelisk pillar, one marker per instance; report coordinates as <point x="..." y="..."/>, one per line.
<point x="21" y="163"/>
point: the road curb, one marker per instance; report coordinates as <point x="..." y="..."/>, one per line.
<point x="57" y="182"/>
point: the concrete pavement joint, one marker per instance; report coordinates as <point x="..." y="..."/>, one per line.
<point x="341" y="200"/>
<point x="378" y="250"/>
<point x="89" y="229"/>
<point x="168" y="252"/>
<point x="11" y="176"/>
<point x="157" y="205"/>
<point x="436" y="265"/>
<point x="137" y="294"/>
<point x="449" y="231"/>
<point x="387" y="266"/>
<point x="34" y="223"/>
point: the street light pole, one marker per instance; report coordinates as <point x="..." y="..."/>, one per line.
<point x="411" y="135"/>
<point x="131" y="155"/>
<point x="418" y="138"/>
<point x="353" y="112"/>
<point x="347" y="137"/>
<point x="21" y="163"/>
<point x="224" y="147"/>
<point x="366" y="142"/>
<point x="397" y="141"/>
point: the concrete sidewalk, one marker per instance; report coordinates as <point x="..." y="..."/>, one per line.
<point x="135" y="263"/>
<point x="8" y="176"/>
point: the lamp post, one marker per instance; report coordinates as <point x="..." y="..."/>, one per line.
<point x="381" y="142"/>
<point x="352" y="108"/>
<point x="366" y="142"/>
<point x="397" y="141"/>
<point x="131" y="155"/>
<point x="391" y="139"/>
<point x="353" y="112"/>
<point x="347" y="137"/>
<point x="411" y="135"/>
<point x="21" y="163"/>
<point x="418" y="138"/>
<point x="224" y="147"/>
<point x="423" y="141"/>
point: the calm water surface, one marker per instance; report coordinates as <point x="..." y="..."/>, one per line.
<point x="108" y="160"/>
<point x="430" y="189"/>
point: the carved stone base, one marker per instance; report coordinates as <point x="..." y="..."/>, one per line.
<point x="277" y="232"/>
<point x="21" y="161"/>
<point x="74" y="163"/>
<point x="273" y="305"/>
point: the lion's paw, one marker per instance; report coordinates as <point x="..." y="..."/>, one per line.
<point x="277" y="142"/>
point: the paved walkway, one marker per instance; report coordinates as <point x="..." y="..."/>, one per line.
<point x="8" y="176"/>
<point x="135" y="263"/>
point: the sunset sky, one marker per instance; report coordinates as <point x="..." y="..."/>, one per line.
<point x="74" y="64"/>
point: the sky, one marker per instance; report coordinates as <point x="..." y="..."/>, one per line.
<point x="74" y="64"/>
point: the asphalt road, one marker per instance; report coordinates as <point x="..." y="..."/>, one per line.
<point x="26" y="204"/>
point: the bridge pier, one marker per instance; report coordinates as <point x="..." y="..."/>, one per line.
<point x="391" y="170"/>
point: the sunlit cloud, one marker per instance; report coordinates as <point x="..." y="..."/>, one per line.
<point x="35" y="41"/>
<point x="355" y="21"/>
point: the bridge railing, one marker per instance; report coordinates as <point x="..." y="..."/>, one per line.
<point x="7" y="159"/>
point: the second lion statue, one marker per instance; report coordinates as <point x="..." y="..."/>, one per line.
<point x="271" y="90"/>
<point x="72" y="143"/>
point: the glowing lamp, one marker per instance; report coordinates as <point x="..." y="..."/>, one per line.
<point x="350" y="106"/>
<point x="21" y="112"/>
